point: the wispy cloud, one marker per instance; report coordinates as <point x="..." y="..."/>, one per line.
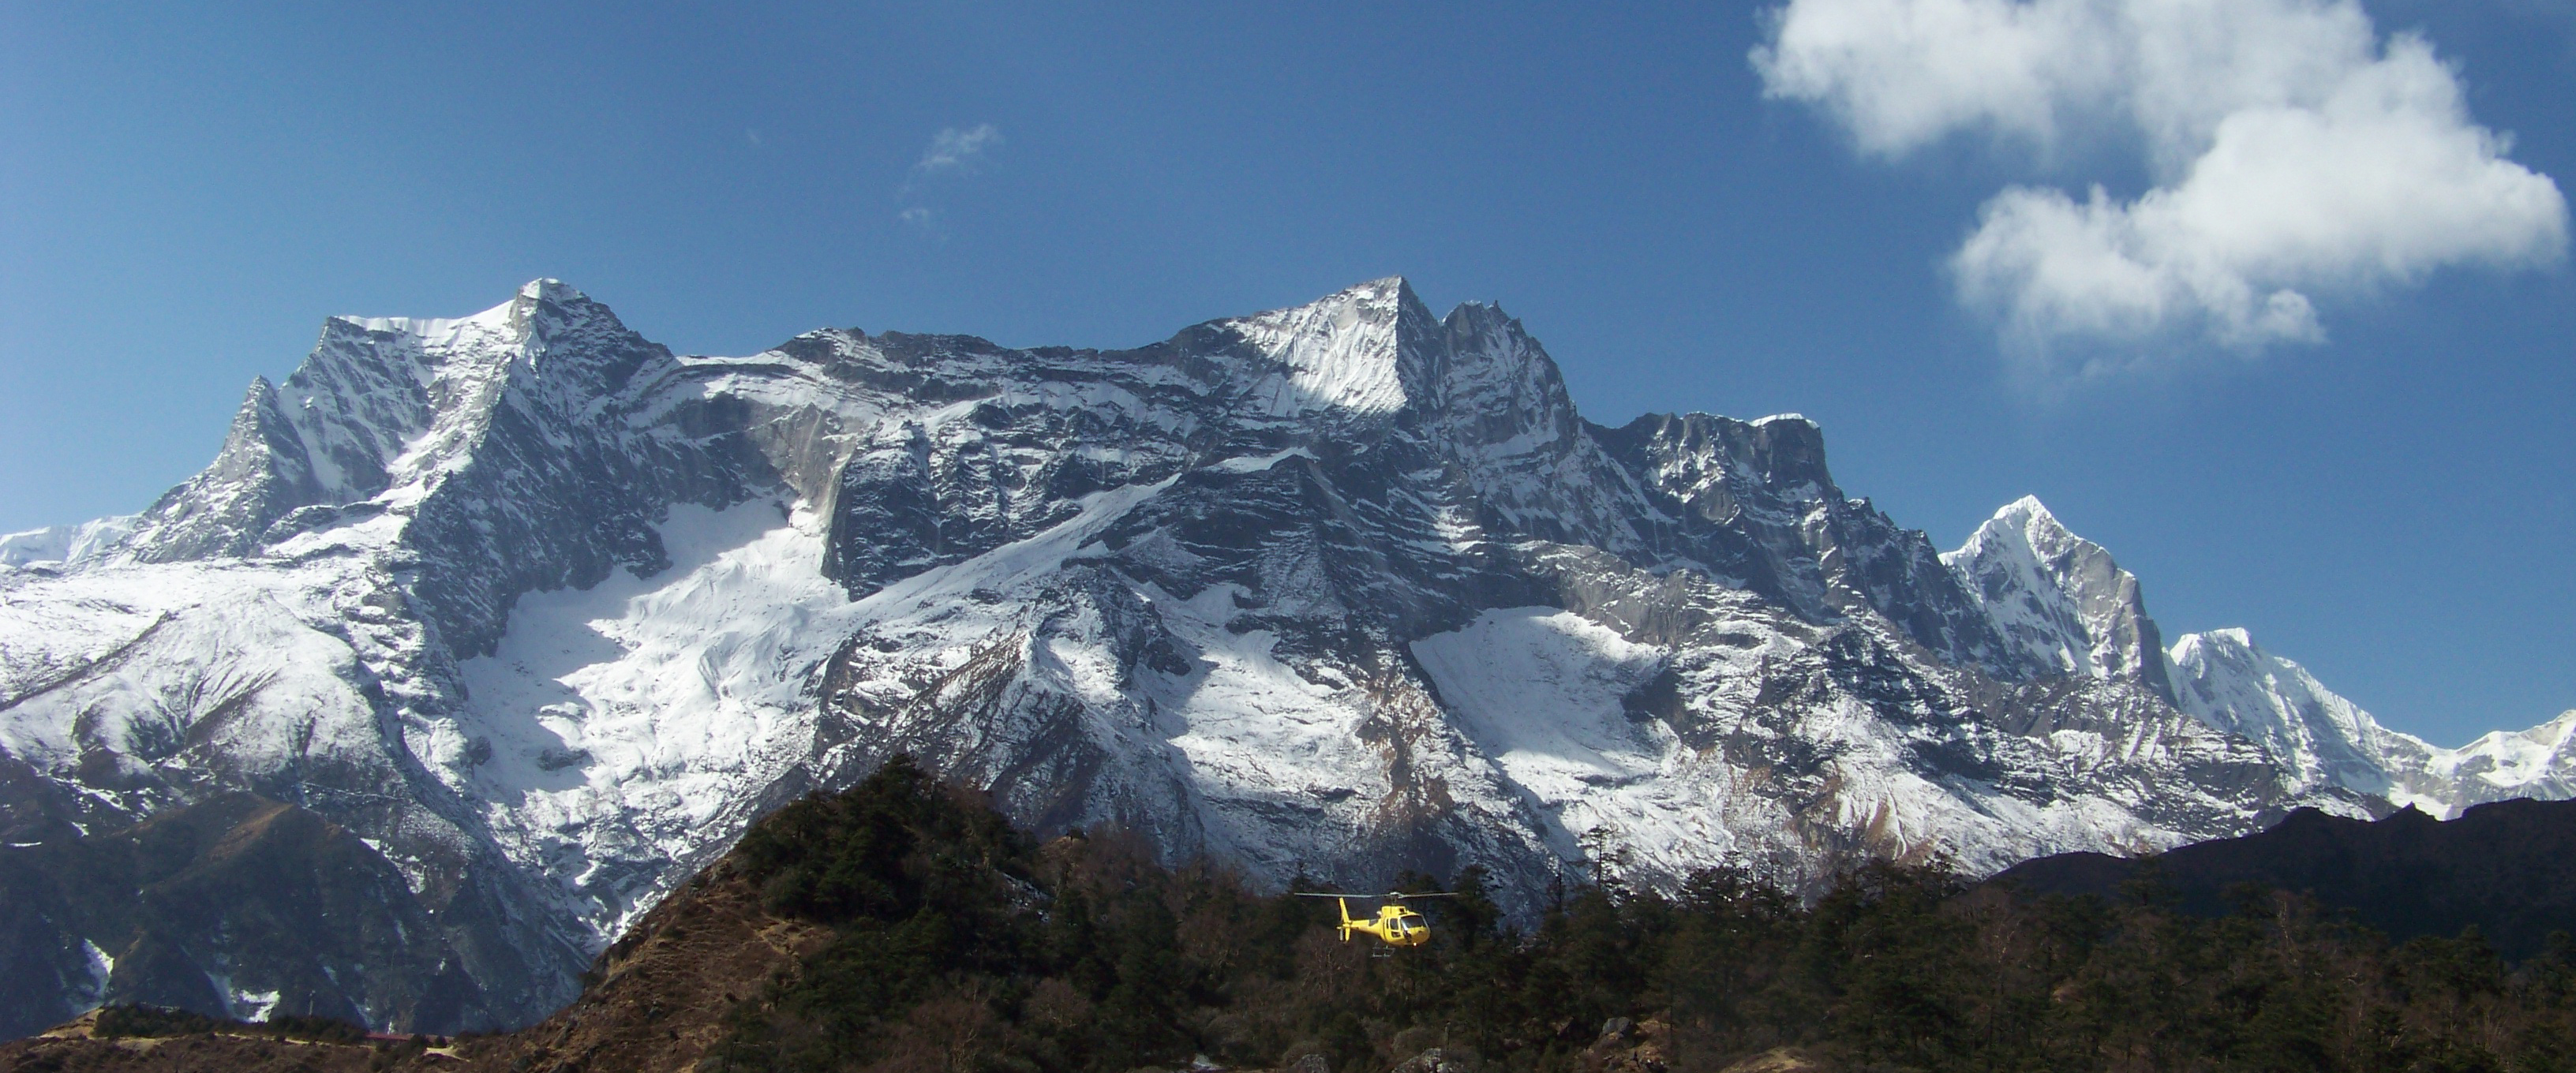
<point x="957" y="150"/>
<point x="2294" y="152"/>
<point x="952" y="152"/>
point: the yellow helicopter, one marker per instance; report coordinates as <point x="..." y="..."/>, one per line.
<point x="1394" y="924"/>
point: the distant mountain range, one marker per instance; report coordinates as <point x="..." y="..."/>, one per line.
<point x="506" y="624"/>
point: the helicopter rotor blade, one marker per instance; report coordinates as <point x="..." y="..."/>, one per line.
<point x="1392" y="896"/>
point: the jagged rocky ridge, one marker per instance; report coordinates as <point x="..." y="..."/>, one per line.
<point x="544" y="614"/>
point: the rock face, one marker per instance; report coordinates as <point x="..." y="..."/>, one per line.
<point x="212" y="894"/>
<point x="542" y="615"/>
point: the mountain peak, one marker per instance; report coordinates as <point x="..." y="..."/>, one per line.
<point x="2026" y="512"/>
<point x="261" y="472"/>
<point x="539" y="310"/>
<point x="2032" y="523"/>
<point x="1476" y="316"/>
<point x="2234" y="636"/>
<point x="1393" y="288"/>
<point x="1356" y="351"/>
<point x="549" y="289"/>
<point x="1384" y="296"/>
<point x="2515" y="756"/>
<point x="2060" y="598"/>
<point x="2222" y="678"/>
<point x="2028" y="523"/>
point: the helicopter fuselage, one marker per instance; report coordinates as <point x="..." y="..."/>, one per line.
<point x="1394" y="925"/>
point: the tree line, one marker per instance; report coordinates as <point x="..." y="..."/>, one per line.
<point x="960" y="945"/>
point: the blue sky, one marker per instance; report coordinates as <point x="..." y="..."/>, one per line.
<point x="2379" y="485"/>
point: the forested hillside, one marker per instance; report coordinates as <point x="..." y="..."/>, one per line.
<point x="903" y="926"/>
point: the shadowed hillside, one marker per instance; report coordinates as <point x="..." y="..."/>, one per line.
<point x="234" y="905"/>
<point x="2507" y="869"/>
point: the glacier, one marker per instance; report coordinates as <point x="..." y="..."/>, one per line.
<point x="533" y="616"/>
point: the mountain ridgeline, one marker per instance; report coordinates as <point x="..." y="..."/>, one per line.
<point x="523" y="619"/>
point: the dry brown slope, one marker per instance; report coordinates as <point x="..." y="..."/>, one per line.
<point x="658" y="1001"/>
<point x="661" y="993"/>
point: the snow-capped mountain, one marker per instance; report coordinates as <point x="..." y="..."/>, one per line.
<point x="541" y="614"/>
<point x="2061" y="601"/>
<point x="63" y="544"/>
<point x="2058" y="599"/>
<point x="2227" y="681"/>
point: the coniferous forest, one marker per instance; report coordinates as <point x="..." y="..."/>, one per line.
<point x="961" y="946"/>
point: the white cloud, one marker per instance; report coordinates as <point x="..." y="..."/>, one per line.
<point x="957" y="150"/>
<point x="2292" y="151"/>
<point x="952" y="152"/>
<point x="1903" y="73"/>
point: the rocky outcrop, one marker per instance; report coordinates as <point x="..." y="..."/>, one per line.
<point x="239" y="906"/>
